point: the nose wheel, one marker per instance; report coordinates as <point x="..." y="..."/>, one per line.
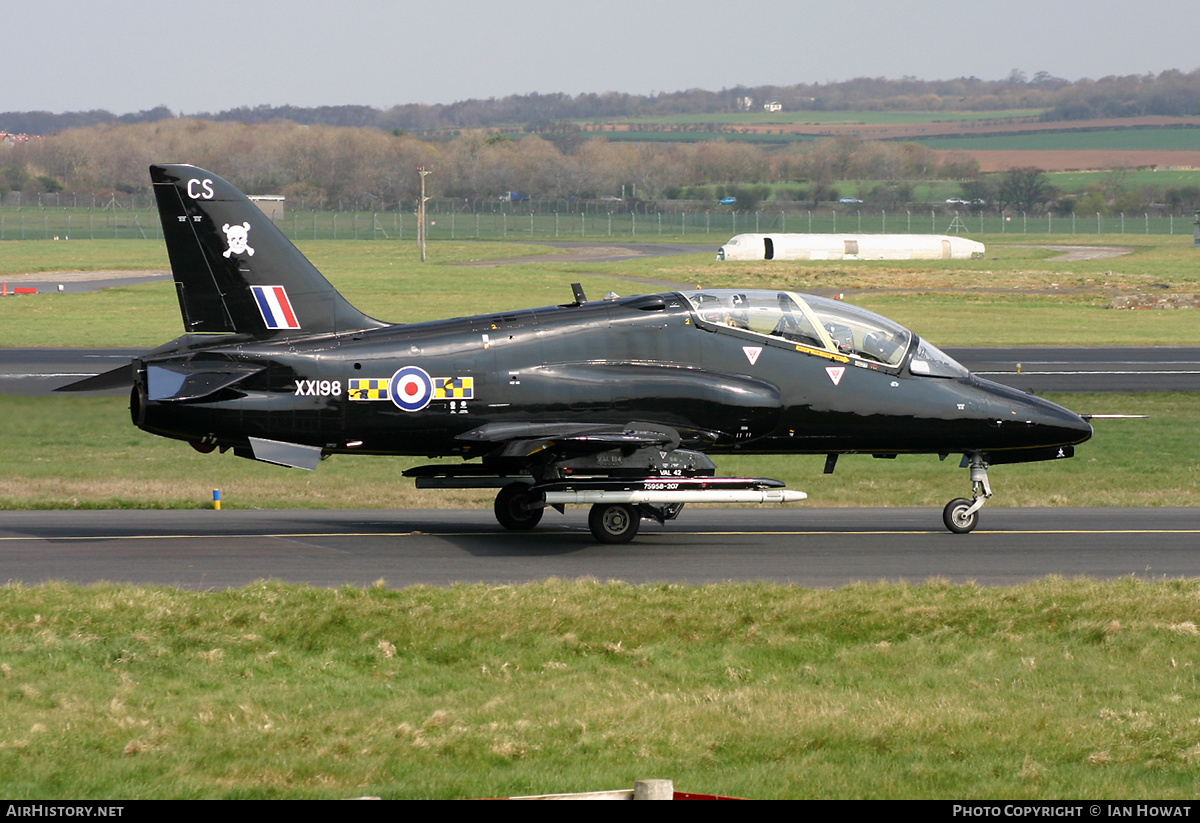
<point x="962" y="515"/>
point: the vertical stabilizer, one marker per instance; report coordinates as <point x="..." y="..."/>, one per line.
<point x="234" y="270"/>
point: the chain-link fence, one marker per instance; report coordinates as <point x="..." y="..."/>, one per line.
<point x="30" y="222"/>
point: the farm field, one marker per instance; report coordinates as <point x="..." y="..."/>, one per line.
<point x="1069" y="160"/>
<point x="913" y="126"/>
<point x="828" y="118"/>
<point x="998" y="140"/>
<point x="1147" y="139"/>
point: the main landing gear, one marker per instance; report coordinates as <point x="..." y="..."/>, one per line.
<point x="962" y="515"/>
<point x="520" y="509"/>
<point x="517" y="509"/>
<point x="614" y="522"/>
<point x="619" y="500"/>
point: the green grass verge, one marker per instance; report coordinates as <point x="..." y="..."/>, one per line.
<point x="1024" y="297"/>
<point x="32" y="256"/>
<point x="871" y="691"/>
<point x="83" y="452"/>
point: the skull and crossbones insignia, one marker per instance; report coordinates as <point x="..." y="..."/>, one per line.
<point x="235" y="238"/>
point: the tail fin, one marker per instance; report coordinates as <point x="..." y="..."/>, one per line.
<point x="234" y="270"/>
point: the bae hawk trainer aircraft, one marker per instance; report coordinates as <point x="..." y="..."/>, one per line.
<point x="616" y="403"/>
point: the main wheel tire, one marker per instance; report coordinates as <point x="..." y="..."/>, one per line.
<point x="511" y="508"/>
<point x="956" y="518"/>
<point x="614" y="522"/>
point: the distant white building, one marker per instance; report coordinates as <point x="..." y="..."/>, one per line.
<point x="271" y="204"/>
<point x="849" y="247"/>
<point x="773" y="105"/>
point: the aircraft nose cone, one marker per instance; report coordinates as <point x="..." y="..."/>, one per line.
<point x="1026" y="421"/>
<point x="1062" y="423"/>
<point x="1047" y="423"/>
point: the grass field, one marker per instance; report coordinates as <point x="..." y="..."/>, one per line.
<point x="1027" y="298"/>
<point x="1055" y="689"/>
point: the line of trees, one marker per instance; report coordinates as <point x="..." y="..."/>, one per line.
<point x="327" y="165"/>
<point x="365" y="168"/>
<point x="1168" y="93"/>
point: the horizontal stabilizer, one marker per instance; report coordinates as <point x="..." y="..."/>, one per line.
<point x="119" y="378"/>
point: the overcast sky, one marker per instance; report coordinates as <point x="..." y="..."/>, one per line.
<point x="129" y="55"/>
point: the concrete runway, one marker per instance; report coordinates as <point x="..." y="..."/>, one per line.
<point x="804" y="546"/>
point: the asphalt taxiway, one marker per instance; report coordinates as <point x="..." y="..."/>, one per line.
<point x="797" y="545"/>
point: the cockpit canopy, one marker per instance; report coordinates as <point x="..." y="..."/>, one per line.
<point x="823" y="324"/>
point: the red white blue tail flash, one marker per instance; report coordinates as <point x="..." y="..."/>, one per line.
<point x="275" y="307"/>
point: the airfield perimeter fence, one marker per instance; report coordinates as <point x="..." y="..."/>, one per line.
<point x="138" y="218"/>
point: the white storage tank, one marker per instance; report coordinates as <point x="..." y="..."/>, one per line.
<point x="849" y="247"/>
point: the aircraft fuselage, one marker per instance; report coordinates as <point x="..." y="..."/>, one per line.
<point x="600" y="362"/>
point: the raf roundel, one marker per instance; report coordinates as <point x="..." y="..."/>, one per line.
<point x="412" y="388"/>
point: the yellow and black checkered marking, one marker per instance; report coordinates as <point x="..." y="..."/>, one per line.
<point x="454" y="388"/>
<point x="369" y="389"/>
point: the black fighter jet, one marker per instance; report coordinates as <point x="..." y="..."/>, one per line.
<point x="616" y="403"/>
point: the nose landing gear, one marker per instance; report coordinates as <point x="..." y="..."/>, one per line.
<point x="962" y="515"/>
